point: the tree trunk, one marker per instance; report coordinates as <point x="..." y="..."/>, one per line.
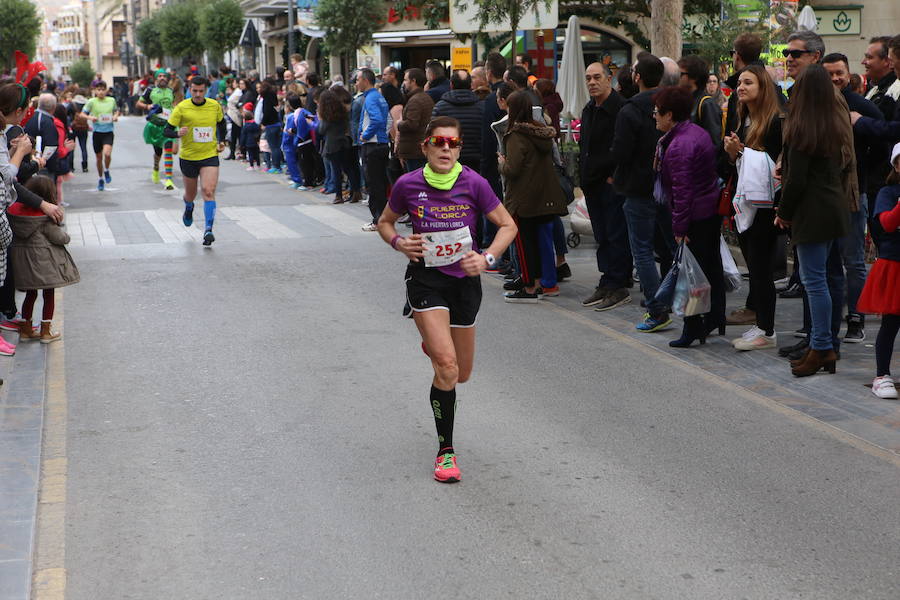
<point x="666" y="17"/>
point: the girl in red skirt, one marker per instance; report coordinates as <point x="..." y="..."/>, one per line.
<point x="881" y="295"/>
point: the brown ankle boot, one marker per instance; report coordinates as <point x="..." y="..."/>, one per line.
<point x="815" y="360"/>
<point x="27" y="332"/>
<point x="355" y="197"/>
<point x="47" y="335"/>
<point x="799" y="361"/>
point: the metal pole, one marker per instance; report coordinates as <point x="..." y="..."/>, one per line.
<point x="292" y="15"/>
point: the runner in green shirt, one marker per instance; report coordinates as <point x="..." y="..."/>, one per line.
<point x="102" y="111"/>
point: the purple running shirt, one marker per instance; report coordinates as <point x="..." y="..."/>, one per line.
<point x="434" y="210"/>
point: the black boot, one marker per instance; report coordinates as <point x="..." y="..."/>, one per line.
<point x="693" y="329"/>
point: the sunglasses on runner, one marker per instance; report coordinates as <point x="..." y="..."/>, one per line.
<point x="795" y="54"/>
<point x="440" y="141"/>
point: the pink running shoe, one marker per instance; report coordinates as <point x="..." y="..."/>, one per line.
<point x="445" y="469"/>
<point x="6" y="349"/>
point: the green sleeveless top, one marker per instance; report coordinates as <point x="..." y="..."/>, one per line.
<point x="165" y="97"/>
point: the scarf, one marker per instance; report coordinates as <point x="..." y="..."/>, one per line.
<point x="442" y="181"/>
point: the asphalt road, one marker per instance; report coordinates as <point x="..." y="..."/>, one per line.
<point x="251" y="421"/>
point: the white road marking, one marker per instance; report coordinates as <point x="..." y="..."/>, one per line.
<point x="257" y="223"/>
<point x="333" y="217"/>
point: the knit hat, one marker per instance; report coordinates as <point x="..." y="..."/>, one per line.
<point x="248" y="106"/>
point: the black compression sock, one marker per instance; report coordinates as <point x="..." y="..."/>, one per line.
<point x="443" y="404"/>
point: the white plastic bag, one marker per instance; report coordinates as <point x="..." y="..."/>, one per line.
<point x="693" y="294"/>
<point x="729" y="267"/>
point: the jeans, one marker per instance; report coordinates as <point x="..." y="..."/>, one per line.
<point x="82" y="137"/>
<point x="823" y="279"/>
<point x="345" y="161"/>
<point x="273" y="137"/>
<point x="853" y="253"/>
<point x="548" y="254"/>
<point x="331" y="175"/>
<point x="605" y="208"/>
<point x="376" y="175"/>
<point x="644" y="216"/>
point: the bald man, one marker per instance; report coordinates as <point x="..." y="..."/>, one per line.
<point x="597" y="163"/>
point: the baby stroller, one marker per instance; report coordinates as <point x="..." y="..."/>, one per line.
<point x="580" y="222"/>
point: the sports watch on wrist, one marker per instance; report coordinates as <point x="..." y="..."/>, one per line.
<point x="489" y="258"/>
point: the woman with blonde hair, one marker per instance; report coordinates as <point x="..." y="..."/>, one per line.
<point x="759" y="128"/>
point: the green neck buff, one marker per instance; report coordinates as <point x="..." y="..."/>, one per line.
<point x="442" y="181"/>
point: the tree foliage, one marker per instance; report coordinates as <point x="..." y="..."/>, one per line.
<point x="503" y="12"/>
<point x="221" y="24"/>
<point x="149" y="36"/>
<point x="81" y="72"/>
<point x="178" y="26"/>
<point x="20" y="27"/>
<point x="348" y="24"/>
<point x="713" y="37"/>
<point x="630" y="15"/>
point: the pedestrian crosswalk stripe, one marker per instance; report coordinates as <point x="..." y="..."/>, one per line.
<point x="167" y="223"/>
<point x="260" y="225"/>
<point x="236" y="223"/>
<point x="333" y="217"/>
<point x="90" y="228"/>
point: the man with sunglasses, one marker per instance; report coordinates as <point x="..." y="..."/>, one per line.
<point x="804" y="48"/>
<point x="445" y="201"/>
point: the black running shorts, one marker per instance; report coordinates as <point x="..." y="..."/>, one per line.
<point x="191" y="168"/>
<point x="100" y="139"/>
<point x="427" y="288"/>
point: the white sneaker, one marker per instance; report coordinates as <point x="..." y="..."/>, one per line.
<point x="883" y="387"/>
<point x="757" y="342"/>
<point x="370" y="227"/>
<point x="749" y="334"/>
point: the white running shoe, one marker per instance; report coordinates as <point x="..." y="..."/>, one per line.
<point x="757" y="342"/>
<point x="749" y="335"/>
<point x="883" y="387"/>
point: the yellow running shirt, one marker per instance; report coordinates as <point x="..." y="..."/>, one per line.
<point x="199" y="143"/>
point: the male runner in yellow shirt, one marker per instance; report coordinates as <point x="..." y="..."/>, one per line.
<point x="195" y="121"/>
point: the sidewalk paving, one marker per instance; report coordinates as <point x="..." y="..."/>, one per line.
<point x="21" y="427"/>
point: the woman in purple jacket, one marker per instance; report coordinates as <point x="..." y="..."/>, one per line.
<point x="686" y="163"/>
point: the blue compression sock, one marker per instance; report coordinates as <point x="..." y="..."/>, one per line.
<point x="209" y="209"/>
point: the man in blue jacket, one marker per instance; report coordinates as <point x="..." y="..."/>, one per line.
<point x="373" y="136"/>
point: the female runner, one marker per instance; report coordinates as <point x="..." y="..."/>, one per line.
<point x="444" y="201"/>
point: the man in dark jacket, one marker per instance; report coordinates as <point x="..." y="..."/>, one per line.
<point x="747" y="48"/>
<point x="853" y="245"/>
<point x="462" y="104"/>
<point x="634" y="146"/>
<point x="705" y="112"/>
<point x="884" y="92"/>
<point x="41" y="125"/>
<point x="390" y="87"/>
<point x="596" y="165"/>
<point x="495" y="66"/>
<point x="413" y="121"/>
<point x="438" y="85"/>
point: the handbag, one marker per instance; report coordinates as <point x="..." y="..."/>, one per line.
<point x="726" y="195"/>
